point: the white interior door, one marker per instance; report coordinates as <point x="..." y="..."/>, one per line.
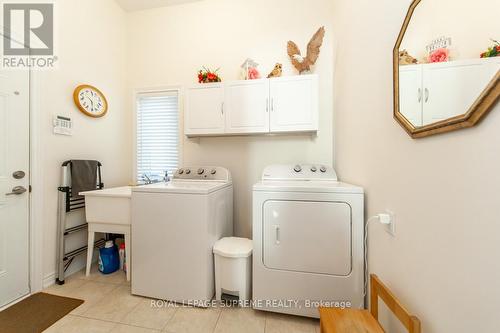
<point x="247" y="106"/>
<point x="14" y="183"/>
<point x="411" y="93"/>
<point x="307" y="236"/>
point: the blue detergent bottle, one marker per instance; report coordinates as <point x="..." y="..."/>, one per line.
<point x="109" y="260"/>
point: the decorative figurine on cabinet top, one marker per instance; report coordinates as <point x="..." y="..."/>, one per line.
<point x="406" y="59"/>
<point x="304" y="63"/>
<point x="249" y="70"/>
<point x="276" y="72"/>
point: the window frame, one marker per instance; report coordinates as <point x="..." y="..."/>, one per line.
<point x="162" y="89"/>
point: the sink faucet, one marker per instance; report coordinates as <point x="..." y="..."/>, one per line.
<point x="146" y="179"/>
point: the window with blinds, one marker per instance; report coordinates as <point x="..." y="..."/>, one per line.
<point x="157" y="135"/>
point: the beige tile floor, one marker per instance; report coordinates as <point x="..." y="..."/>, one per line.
<point x="109" y="307"/>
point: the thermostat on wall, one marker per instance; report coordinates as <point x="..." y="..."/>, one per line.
<point x="62" y="125"/>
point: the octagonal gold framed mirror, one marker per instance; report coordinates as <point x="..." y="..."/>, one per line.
<point x="446" y="65"/>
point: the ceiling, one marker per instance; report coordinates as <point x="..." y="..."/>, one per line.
<point x="134" y="5"/>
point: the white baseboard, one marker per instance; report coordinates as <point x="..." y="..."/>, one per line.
<point x="13" y="302"/>
<point x="49" y="280"/>
<point x="77" y="265"/>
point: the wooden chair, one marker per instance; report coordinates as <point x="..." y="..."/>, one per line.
<point x="334" y="320"/>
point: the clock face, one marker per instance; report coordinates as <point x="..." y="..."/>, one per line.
<point x="90" y="101"/>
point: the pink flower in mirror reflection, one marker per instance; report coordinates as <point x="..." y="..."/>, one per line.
<point x="439" y="55"/>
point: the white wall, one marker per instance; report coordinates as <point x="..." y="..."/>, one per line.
<point x="471" y="34"/>
<point x="167" y="46"/>
<point x="443" y="263"/>
<point x="91" y="49"/>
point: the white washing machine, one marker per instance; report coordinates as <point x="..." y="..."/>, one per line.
<point x="308" y="240"/>
<point x="174" y="227"/>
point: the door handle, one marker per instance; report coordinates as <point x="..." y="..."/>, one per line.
<point x="17" y="190"/>
<point x="277" y="234"/>
<point x="426" y="95"/>
<point x="419" y="95"/>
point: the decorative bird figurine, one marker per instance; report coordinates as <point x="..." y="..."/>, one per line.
<point x="276" y="72"/>
<point x="304" y="63"/>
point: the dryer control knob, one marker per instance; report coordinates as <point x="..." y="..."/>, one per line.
<point x="180" y="172"/>
<point x="313" y="169"/>
<point x="201" y="171"/>
<point x="322" y="169"/>
<point x="213" y="171"/>
<point x="297" y="168"/>
<point x="188" y="171"/>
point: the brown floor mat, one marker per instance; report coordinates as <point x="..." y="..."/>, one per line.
<point x="36" y="313"/>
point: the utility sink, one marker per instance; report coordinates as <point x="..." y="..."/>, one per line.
<point x="110" y="205"/>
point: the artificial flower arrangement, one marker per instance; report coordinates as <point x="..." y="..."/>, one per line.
<point x="439" y="55"/>
<point x="206" y="75"/>
<point x="438" y="50"/>
<point x="493" y="51"/>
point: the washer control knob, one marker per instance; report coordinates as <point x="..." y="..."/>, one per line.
<point x="314" y="169"/>
<point x="213" y="171"/>
<point x="180" y="171"/>
<point x="297" y="168"/>
<point x="188" y="171"/>
<point x="201" y="171"/>
<point x="322" y="169"/>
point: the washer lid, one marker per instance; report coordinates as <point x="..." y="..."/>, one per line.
<point x="184" y="187"/>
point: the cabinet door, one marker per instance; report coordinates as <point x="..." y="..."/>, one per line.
<point x="294" y="103"/>
<point x="450" y="89"/>
<point x="246" y="106"/>
<point x="203" y="113"/>
<point x="410" y="93"/>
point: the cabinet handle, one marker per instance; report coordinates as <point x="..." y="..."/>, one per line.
<point x="272" y="104"/>
<point x="267" y="104"/>
<point x="426" y="95"/>
<point x="222" y="108"/>
<point x="277" y="234"/>
<point x="419" y="95"/>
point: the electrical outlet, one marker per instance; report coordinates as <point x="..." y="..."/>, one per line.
<point x="390" y="228"/>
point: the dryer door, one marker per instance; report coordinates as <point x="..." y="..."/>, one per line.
<point x="306" y="236"/>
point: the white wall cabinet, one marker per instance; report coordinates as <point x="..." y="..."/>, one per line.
<point x="287" y="104"/>
<point x="247" y="106"/>
<point x="203" y="110"/>
<point x="410" y="93"/>
<point x="294" y="104"/>
<point x="434" y="92"/>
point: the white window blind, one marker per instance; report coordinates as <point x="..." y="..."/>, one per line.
<point x="157" y="134"/>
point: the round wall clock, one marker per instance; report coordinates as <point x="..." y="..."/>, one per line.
<point x="90" y="101"/>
